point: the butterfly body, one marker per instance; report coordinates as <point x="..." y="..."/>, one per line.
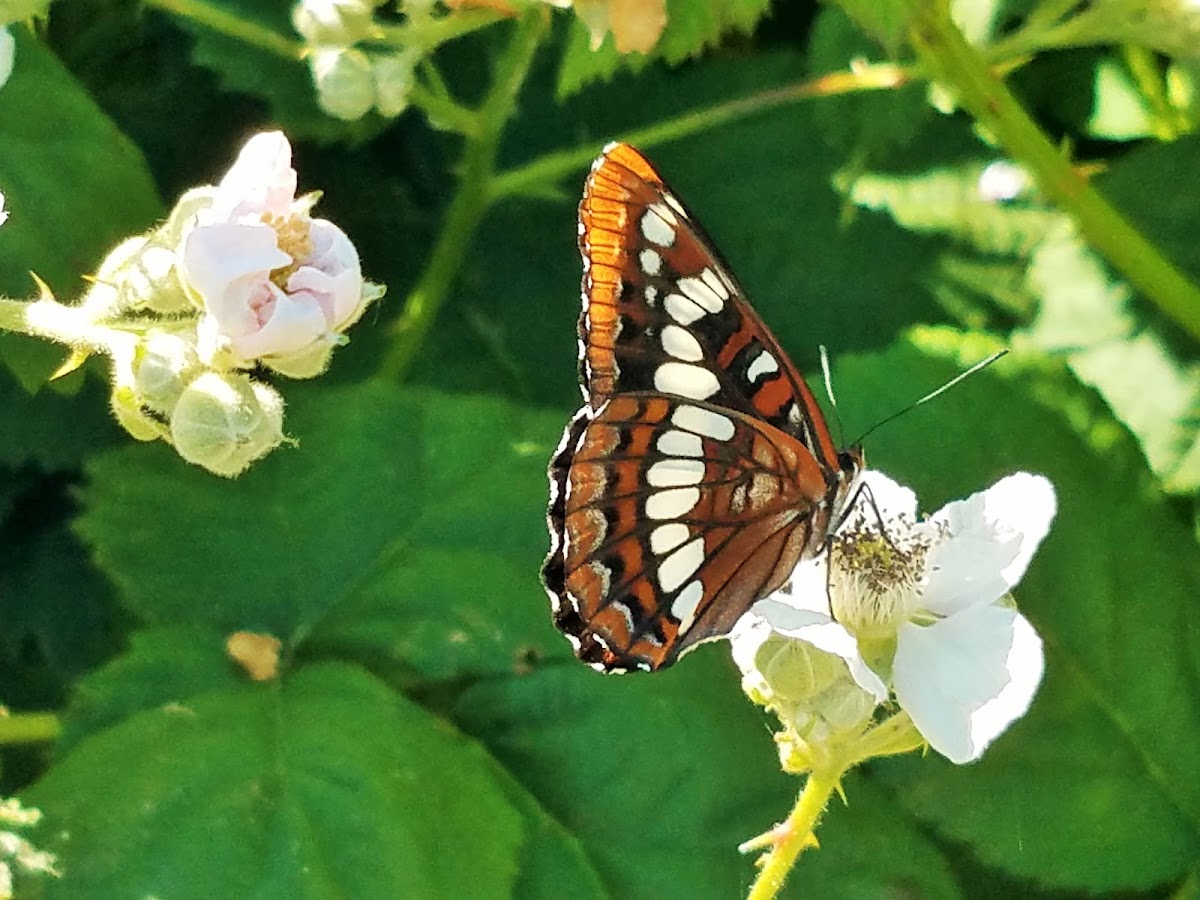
<point x="699" y="470"/>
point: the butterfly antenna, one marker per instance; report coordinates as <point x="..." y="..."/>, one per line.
<point x="828" y="376"/>
<point x="982" y="364"/>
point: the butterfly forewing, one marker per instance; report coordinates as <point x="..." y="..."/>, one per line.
<point x="699" y="469"/>
<point x="662" y="311"/>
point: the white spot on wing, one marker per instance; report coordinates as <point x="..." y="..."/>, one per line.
<point x="679" y="443"/>
<point x="681" y="565"/>
<point x="675" y="205"/>
<point x="713" y="280"/>
<point x="675" y="472"/>
<point x="764" y="364"/>
<point x="684" y="607"/>
<point x="658" y="225"/>
<point x="651" y="293"/>
<point x="650" y="261"/>
<point x="666" y="538"/>
<point x="699" y="291"/>
<point x="686" y="380"/>
<point x="683" y="310"/>
<point x="672" y="503"/>
<point x="680" y="344"/>
<point x="704" y="421"/>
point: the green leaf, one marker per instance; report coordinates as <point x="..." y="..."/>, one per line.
<point x="52" y="429"/>
<point x="950" y="200"/>
<point x="659" y="777"/>
<point x="460" y="594"/>
<point x="385" y="535"/>
<point x="691" y="27"/>
<point x="1120" y="112"/>
<point x="1155" y="186"/>
<point x="886" y="21"/>
<point x="59" y="614"/>
<point x="281" y="545"/>
<point x="324" y="785"/>
<point x="1113" y="734"/>
<point x="72" y="193"/>
<point x="871" y="121"/>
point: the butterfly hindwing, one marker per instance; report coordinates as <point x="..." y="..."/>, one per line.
<point x="674" y="517"/>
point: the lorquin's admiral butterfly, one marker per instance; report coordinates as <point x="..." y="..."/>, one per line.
<point x="699" y="470"/>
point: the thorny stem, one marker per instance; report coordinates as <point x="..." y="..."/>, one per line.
<point x="471" y="199"/>
<point x="948" y="57"/>
<point x="71" y="325"/>
<point x="795" y="834"/>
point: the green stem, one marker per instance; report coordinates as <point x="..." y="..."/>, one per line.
<point x="949" y="58"/>
<point x="547" y="170"/>
<point x="471" y="200"/>
<point x="29" y="728"/>
<point x="70" y="325"/>
<point x="431" y="33"/>
<point x="794" y="834"/>
<point x="233" y="26"/>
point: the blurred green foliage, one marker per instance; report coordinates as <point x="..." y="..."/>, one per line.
<point x="429" y="733"/>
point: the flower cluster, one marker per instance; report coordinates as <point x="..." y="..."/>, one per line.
<point x="915" y="610"/>
<point x="353" y="68"/>
<point x="240" y="277"/>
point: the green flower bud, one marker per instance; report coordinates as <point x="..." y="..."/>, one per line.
<point x="345" y="85"/>
<point x="224" y="422"/>
<point x="133" y="417"/>
<point x="138" y="274"/>
<point x="163" y="365"/>
<point x="393" y="81"/>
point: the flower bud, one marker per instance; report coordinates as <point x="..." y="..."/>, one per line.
<point x="338" y="22"/>
<point x="393" y="74"/>
<point x="344" y="81"/>
<point x="163" y="365"/>
<point x="138" y="274"/>
<point x="224" y="422"/>
<point x="135" y="419"/>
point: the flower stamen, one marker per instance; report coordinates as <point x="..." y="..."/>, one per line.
<point x="876" y="576"/>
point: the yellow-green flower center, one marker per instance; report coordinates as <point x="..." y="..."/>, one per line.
<point x="875" y="578"/>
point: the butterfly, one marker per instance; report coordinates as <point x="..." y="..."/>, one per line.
<point x="699" y="470"/>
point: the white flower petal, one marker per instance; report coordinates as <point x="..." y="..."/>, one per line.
<point x="891" y="498"/>
<point x="214" y="256"/>
<point x="8" y="50"/>
<point x="1025" y="665"/>
<point x="989" y="539"/>
<point x="260" y="180"/>
<point x="964" y="679"/>
<point x="295" y="322"/>
<point x="808" y="588"/>
<point x="822" y="632"/>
